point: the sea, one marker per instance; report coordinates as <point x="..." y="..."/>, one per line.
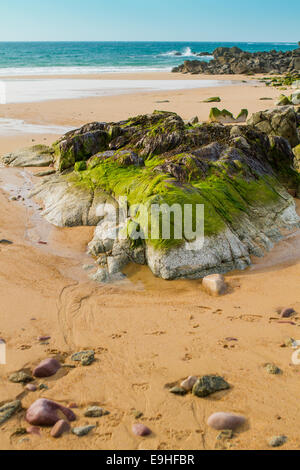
<point x="59" y="58"/>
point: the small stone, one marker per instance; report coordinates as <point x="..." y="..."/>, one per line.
<point x="8" y="410"/>
<point x="225" y="421"/>
<point x="226" y="434"/>
<point x="95" y="412"/>
<point x="43" y="387"/>
<point x="5" y="242"/>
<point x="215" y="285"/>
<point x="21" y="377"/>
<point x="138" y="414"/>
<point x="289" y="342"/>
<point x="209" y="384"/>
<point x="34" y="430"/>
<point x="85" y="357"/>
<point x="277" y="441"/>
<point x="60" y="428"/>
<point x="82" y="431"/>
<point x="287" y="313"/>
<point x="178" y="391"/>
<point x="141" y="430"/>
<point x="189" y="383"/>
<point x="20" y="432"/>
<point x="31" y="388"/>
<point x="45" y="413"/>
<point x="44" y="338"/>
<point x="273" y="369"/>
<point x="47" y="368"/>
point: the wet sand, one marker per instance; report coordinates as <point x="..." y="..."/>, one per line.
<point x="146" y="332"/>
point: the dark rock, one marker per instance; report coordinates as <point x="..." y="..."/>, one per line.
<point x="47" y="368"/>
<point x="5" y="242"/>
<point x="208" y="385"/>
<point x="236" y="61"/>
<point x="287" y="313"/>
<point x="44" y="412"/>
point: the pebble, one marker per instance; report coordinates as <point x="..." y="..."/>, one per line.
<point x="8" y="410"/>
<point x="31" y="388"/>
<point x="44" y="412"/>
<point x="227" y="434"/>
<point x="44" y="338"/>
<point x="215" y="284"/>
<point x="85" y="357"/>
<point x="47" y="368"/>
<point x="82" y="431"/>
<point x="60" y="428"/>
<point x="277" y="441"/>
<point x="43" y="387"/>
<point x="95" y="412"/>
<point x="223" y="421"/>
<point x="33" y="430"/>
<point x="287" y="313"/>
<point x="189" y="383"/>
<point x="273" y="369"/>
<point x="178" y="391"/>
<point x="141" y="430"/>
<point x="5" y="242"/>
<point x="21" y="377"/>
<point x="209" y="384"/>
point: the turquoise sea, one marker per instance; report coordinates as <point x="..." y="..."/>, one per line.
<point x="26" y="58"/>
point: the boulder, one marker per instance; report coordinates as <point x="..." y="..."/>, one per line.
<point x="236" y="180"/>
<point x="279" y="121"/>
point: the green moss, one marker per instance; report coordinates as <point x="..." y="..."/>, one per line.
<point x="80" y="166"/>
<point x="225" y="199"/>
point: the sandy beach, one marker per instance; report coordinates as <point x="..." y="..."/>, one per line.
<point x="146" y="332"/>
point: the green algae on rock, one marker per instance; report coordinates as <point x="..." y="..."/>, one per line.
<point x="238" y="174"/>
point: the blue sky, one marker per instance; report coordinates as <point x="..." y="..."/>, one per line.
<point x="150" y="20"/>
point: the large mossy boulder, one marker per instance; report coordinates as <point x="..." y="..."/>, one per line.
<point x="280" y="121"/>
<point x="238" y="174"/>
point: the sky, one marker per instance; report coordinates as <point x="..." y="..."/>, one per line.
<point x="150" y="20"/>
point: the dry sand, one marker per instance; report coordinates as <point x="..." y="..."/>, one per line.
<point x="146" y="332"/>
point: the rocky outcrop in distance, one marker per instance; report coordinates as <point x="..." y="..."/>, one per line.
<point x="236" y="61"/>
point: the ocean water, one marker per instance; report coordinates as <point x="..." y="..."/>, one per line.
<point x="29" y="58"/>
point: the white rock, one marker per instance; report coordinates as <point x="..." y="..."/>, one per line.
<point x="215" y="284"/>
<point x="189" y="383"/>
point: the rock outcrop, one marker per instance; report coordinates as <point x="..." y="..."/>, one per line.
<point x="236" y="61"/>
<point x="237" y="176"/>
<point x="280" y="121"/>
